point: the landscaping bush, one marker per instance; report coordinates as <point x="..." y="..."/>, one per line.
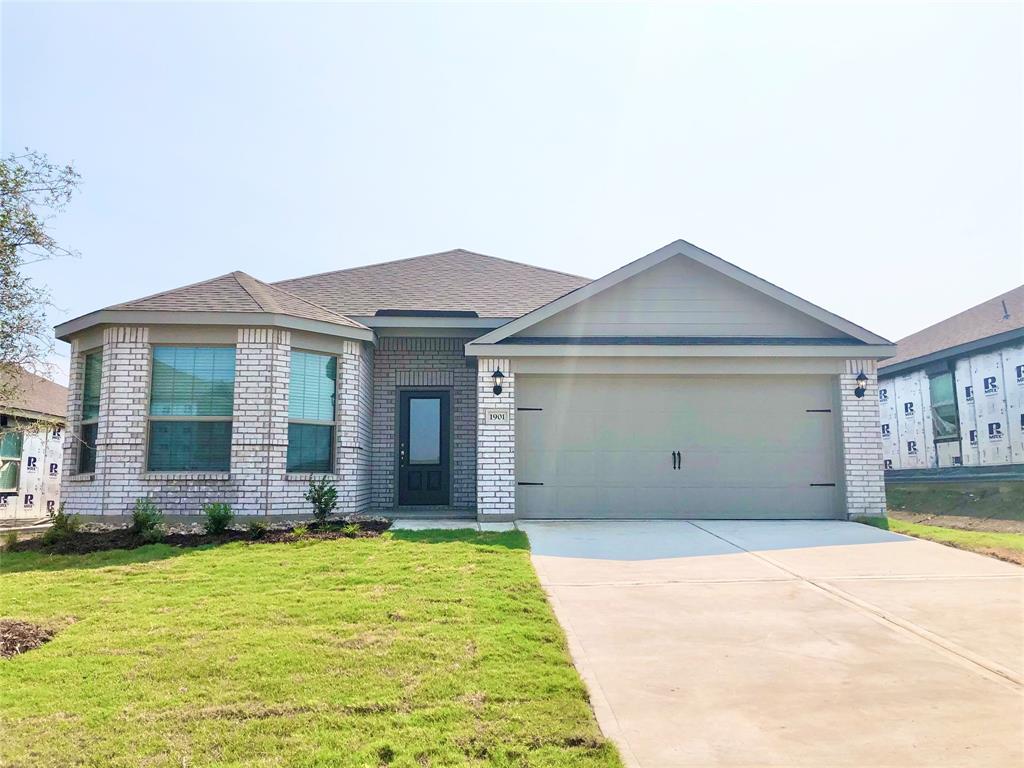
<point x="10" y="539"/>
<point x="323" y="496"/>
<point x="146" y="519"/>
<point x="300" y="531"/>
<point x="351" y="530"/>
<point x="62" y="526"/>
<point x="218" y="517"/>
<point x="257" y="529"/>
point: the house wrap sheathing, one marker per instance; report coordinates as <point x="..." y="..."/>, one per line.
<point x="977" y="357"/>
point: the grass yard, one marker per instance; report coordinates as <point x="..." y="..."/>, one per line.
<point x="412" y="649"/>
<point x="1005" y="546"/>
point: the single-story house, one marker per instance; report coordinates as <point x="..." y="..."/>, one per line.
<point x="459" y="384"/>
<point x="953" y="395"/>
<point x="32" y="420"/>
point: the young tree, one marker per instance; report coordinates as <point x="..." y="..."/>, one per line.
<point x="32" y="191"/>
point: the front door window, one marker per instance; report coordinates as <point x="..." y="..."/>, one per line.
<point x="424" y="437"/>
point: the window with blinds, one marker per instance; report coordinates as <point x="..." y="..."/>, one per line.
<point x="90" y="411"/>
<point x="190" y="408"/>
<point x="311" y="403"/>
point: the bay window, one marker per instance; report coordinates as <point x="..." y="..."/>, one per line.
<point x="190" y="408"/>
<point x="311" y="395"/>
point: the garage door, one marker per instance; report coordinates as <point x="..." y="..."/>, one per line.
<point x="745" y="447"/>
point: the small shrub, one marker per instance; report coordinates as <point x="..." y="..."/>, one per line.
<point x="351" y="530"/>
<point x="257" y="529"/>
<point x="323" y="496"/>
<point x="153" y="535"/>
<point x="300" y="531"/>
<point x="146" y="517"/>
<point x="62" y="526"/>
<point x="10" y="539"/>
<point x="218" y="517"/>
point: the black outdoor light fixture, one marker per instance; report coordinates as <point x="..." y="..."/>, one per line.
<point x="862" y="385"/>
<point x="498" y="377"/>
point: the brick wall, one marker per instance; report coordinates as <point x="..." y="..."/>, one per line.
<point x="257" y="483"/>
<point x="412" y="362"/>
<point x="863" y="477"/>
<point x="496" y="443"/>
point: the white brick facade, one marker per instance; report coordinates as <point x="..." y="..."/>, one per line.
<point x="863" y="476"/>
<point x="257" y="483"/>
<point x="496" y="443"/>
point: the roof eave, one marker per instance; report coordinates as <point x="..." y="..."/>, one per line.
<point x="65" y="331"/>
<point x="967" y="348"/>
<point x="479" y="348"/>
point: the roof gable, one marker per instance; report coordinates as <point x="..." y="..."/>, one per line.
<point x="450" y="281"/>
<point x="753" y="307"/>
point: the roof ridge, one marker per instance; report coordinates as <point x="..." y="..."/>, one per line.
<point x="427" y="255"/>
<point x="249" y="293"/>
<point x="314" y="304"/>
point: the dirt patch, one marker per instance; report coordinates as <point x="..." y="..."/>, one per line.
<point x="84" y="542"/>
<point x="959" y="522"/>
<point x="20" y="636"/>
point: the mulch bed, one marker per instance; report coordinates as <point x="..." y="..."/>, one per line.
<point x="84" y="542"/>
<point x="20" y="636"/>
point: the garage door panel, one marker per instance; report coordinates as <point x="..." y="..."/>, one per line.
<point x="601" y="446"/>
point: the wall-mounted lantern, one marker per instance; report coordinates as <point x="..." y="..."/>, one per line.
<point x="497" y="377"/>
<point x="862" y="385"/>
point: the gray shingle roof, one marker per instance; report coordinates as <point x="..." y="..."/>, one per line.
<point x="236" y="292"/>
<point x="980" y="322"/>
<point x="36" y="394"/>
<point x="448" y="281"/>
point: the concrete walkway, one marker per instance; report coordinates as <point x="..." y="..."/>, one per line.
<point x="789" y="643"/>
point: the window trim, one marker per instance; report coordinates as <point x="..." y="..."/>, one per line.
<point x="936" y="439"/>
<point x="84" y="422"/>
<point x="332" y="466"/>
<point x="150" y="418"/>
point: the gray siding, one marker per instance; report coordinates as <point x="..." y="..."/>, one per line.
<point x="408" y="362"/>
<point x="680" y="297"/>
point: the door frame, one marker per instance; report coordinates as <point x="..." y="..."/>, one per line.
<point x="397" y="442"/>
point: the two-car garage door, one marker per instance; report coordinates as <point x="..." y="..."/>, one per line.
<point x="744" y="446"/>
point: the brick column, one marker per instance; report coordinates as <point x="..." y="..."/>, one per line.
<point x="353" y="443"/>
<point x="863" y="476"/>
<point x="495" y="443"/>
<point x="76" y="371"/>
<point x="124" y="400"/>
<point x="259" y="434"/>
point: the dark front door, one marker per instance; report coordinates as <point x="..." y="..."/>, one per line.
<point x="424" y="435"/>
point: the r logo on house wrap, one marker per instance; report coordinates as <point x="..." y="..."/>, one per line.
<point x="1020" y="374"/>
<point x="912" y="447"/>
<point x="969" y="394"/>
<point x="30" y="499"/>
<point x="991" y="388"/>
<point x="54" y="470"/>
<point x="885" y="430"/>
<point x="51" y="506"/>
<point x="887" y="464"/>
<point x="995" y="430"/>
<point x="908" y="409"/>
<point x="883" y="395"/>
<point x="973" y="436"/>
<point x="30" y="464"/>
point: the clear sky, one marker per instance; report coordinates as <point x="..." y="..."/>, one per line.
<point x="866" y="157"/>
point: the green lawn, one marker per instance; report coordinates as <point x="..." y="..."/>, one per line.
<point x="1006" y="546"/>
<point x="413" y="649"/>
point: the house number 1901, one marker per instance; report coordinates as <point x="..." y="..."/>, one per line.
<point x="496" y="415"/>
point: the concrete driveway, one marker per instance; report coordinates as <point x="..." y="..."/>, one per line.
<point x="789" y="643"/>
